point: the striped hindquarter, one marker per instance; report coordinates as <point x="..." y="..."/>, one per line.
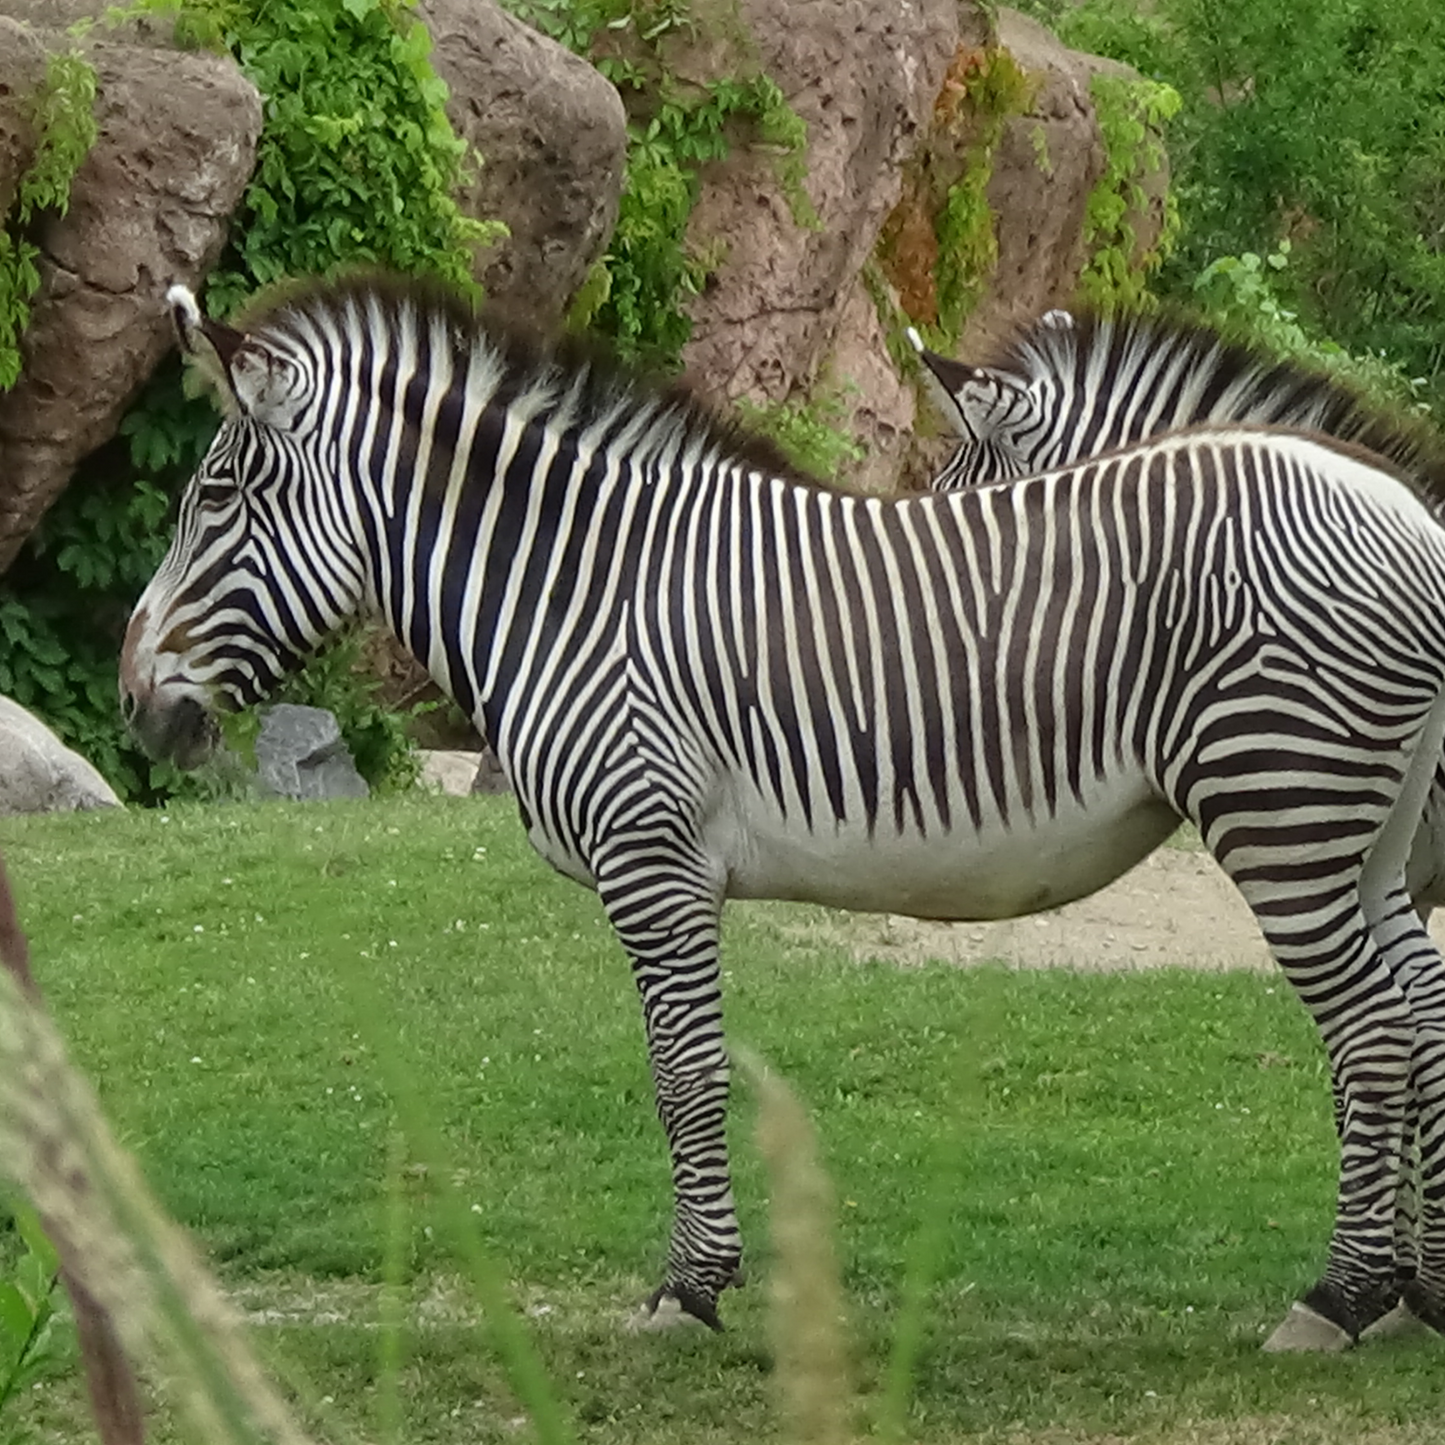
<point x="706" y="681"/>
<point x="1068" y="388"/>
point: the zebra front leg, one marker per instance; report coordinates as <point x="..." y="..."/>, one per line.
<point x="666" y="912"/>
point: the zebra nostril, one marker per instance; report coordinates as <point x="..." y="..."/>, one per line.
<point x="127" y="707"/>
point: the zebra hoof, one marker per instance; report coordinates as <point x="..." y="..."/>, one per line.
<point x="1399" y="1322"/>
<point x="1428" y="1311"/>
<point x="672" y="1307"/>
<point x="1305" y="1331"/>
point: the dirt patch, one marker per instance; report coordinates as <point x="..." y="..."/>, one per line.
<point x="1175" y="910"/>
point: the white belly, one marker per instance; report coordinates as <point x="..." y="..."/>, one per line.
<point x="963" y="875"/>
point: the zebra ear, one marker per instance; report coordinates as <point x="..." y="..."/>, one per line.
<point x="974" y="399"/>
<point x="207" y="345"/>
<point x="248" y="377"/>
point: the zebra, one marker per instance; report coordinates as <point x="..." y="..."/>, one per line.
<point x="707" y="677"/>
<point x="1068" y="387"/>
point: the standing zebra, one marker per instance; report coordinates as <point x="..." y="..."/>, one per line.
<point x="707" y="678"/>
<point x="1068" y="388"/>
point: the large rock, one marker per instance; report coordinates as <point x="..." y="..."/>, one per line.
<point x="300" y="753"/>
<point x="176" y="146"/>
<point x="1044" y="165"/>
<point x="39" y="774"/>
<point x="862" y="74"/>
<point x="553" y="139"/>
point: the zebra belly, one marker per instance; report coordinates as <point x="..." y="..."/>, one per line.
<point x="962" y="875"/>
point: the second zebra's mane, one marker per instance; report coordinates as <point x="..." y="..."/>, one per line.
<point x="595" y="381"/>
<point x="1256" y="387"/>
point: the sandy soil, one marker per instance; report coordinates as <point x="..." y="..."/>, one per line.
<point x="1176" y="909"/>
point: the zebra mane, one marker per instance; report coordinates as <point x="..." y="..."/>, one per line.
<point x="595" y="378"/>
<point x="1277" y="392"/>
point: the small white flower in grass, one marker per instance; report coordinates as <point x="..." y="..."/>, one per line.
<point x="476" y="1209"/>
<point x="195" y="1058"/>
<point x="1151" y="1394"/>
<point x="391" y="882"/>
<point x="198" y="928"/>
<point x="76" y="917"/>
<point x="391" y="943"/>
<point x="304" y="954"/>
<point x="226" y="880"/>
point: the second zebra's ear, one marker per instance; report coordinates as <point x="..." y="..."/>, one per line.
<point x="973" y="399"/>
<point x="250" y="378"/>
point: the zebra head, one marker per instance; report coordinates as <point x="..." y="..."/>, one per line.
<point x="994" y="412"/>
<point x="261" y="569"/>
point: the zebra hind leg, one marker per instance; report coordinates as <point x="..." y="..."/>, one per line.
<point x="665" y="906"/>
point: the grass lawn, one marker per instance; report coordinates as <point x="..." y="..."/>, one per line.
<point x="1118" y="1181"/>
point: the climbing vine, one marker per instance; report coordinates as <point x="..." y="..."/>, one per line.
<point x="939" y="247"/>
<point x="1130" y="115"/>
<point x="638" y="295"/>
<point x="63" y="122"/>
<point x="357" y="164"/>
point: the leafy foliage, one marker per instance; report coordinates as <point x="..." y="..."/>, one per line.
<point x="651" y="270"/>
<point x="1321" y="126"/>
<point x="812" y="433"/>
<point x="30" y="1343"/>
<point x="64" y="126"/>
<point x="1130" y="114"/>
<point x="357" y="165"/>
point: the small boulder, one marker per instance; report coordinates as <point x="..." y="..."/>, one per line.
<point x="39" y="774"/>
<point x="300" y="754"/>
<point x="448" y="770"/>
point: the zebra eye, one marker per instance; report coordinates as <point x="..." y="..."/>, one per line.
<point x="215" y="492"/>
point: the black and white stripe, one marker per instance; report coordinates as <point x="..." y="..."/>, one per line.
<point x="707" y="678"/>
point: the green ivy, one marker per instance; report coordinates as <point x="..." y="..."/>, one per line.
<point x="357" y="164"/>
<point x="1130" y="115"/>
<point x="63" y="121"/>
<point x="651" y="270"/>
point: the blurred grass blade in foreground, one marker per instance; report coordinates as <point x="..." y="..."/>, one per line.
<point x="815" y="1397"/>
<point x="130" y="1270"/>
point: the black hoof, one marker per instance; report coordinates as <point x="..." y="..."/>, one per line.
<point x="1427" y="1311"/>
<point x="1356" y="1317"/>
<point x="690" y="1301"/>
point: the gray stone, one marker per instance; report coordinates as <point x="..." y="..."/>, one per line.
<point x="300" y="754"/>
<point x="552" y="135"/>
<point x="39" y="774"/>
<point x="176" y="145"/>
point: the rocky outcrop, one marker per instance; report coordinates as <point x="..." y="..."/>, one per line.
<point x="176" y="145"/>
<point x="862" y="75"/>
<point x="552" y="138"/>
<point x="1047" y="162"/>
<point x="39" y="774"/>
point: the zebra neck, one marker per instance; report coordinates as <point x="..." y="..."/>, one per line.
<point x="486" y="574"/>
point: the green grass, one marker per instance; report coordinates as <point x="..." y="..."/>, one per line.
<point x="1136" y="1171"/>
